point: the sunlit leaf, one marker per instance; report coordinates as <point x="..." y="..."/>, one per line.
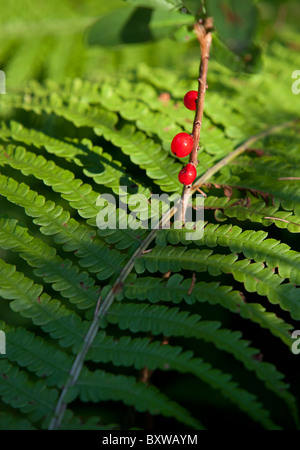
<point x="133" y="25"/>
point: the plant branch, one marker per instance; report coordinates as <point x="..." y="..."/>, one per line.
<point x="203" y="33"/>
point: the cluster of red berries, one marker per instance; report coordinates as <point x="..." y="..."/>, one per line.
<point x="182" y="143"/>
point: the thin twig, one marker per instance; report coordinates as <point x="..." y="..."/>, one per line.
<point x="192" y="284"/>
<point x="145" y="375"/>
<point x="203" y="33"/>
<point x="282" y="220"/>
<point x="167" y="275"/>
<point x="201" y="192"/>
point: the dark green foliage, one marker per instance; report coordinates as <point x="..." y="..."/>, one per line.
<point x="195" y="312"/>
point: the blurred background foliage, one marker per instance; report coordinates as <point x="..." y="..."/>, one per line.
<point x="91" y="38"/>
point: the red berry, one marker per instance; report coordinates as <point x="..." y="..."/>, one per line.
<point x="190" y="100"/>
<point x="182" y="144"/>
<point x="187" y="174"/>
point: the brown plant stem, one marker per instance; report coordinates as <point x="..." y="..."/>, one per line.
<point x="203" y="33"/>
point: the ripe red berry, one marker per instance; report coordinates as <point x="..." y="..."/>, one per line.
<point x="187" y="174"/>
<point x="182" y="144"/>
<point x="190" y="100"/>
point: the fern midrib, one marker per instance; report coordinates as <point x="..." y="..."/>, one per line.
<point x="263" y="248"/>
<point x="218" y="264"/>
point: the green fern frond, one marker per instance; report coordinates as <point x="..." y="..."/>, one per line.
<point x="87" y="310"/>
<point x="45" y="361"/>
<point x="246" y="401"/>
<point x="38" y="356"/>
<point x="64" y="276"/>
<point x="255" y="276"/>
<point x="172" y="322"/>
<point x="265" y="174"/>
<point x="253" y="244"/>
<point x="101" y="386"/>
<point x="256" y="212"/>
<point x="21" y="393"/>
<point x="53" y="220"/>
<point x="142" y="150"/>
<point x="12" y="422"/>
<point x="28" y="299"/>
<point x="97" y="164"/>
<point x="80" y="196"/>
<point x="177" y="289"/>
